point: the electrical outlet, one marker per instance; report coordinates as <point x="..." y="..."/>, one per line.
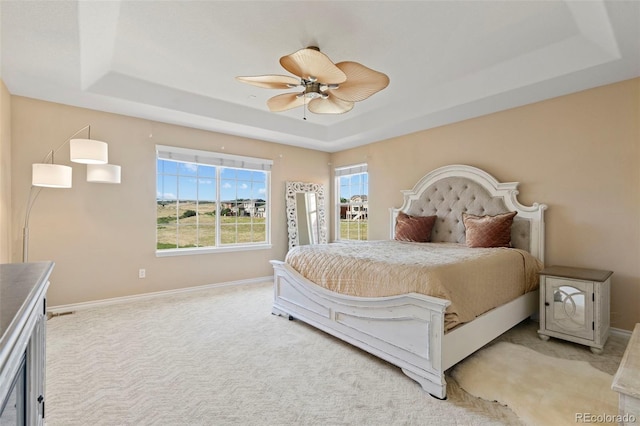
<point x="142" y="273"/>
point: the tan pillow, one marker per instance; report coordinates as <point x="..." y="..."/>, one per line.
<point x="414" y="228"/>
<point x="488" y="231"/>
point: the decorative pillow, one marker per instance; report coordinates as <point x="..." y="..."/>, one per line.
<point x="414" y="228"/>
<point x="488" y="231"/>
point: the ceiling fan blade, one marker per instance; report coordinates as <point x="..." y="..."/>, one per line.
<point x="331" y="105"/>
<point x="271" y="81"/>
<point x="361" y="83"/>
<point x="309" y="62"/>
<point x="284" y="102"/>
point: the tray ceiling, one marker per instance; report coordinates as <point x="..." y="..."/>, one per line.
<point x="447" y="61"/>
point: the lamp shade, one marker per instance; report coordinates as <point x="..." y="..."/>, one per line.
<point x="88" y="151"/>
<point x="51" y="175"/>
<point x="103" y="173"/>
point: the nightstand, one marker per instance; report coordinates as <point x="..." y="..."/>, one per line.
<point x="574" y="305"/>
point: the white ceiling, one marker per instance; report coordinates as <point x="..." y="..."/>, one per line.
<point x="175" y="61"/>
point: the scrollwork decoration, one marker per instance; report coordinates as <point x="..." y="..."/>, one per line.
<point x="294" y="188"/>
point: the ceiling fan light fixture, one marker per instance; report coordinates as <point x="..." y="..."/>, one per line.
<point x="331" y="105"/>
<point x="285" y="101"/>
<point x="331" y="88"/>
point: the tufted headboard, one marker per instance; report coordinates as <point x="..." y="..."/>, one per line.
<point x="451" y="190"/>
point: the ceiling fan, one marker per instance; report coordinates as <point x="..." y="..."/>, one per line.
<point x="328" y="88"/>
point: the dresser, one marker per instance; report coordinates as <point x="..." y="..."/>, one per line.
<point x="23" y="289"/>
<point x="627" y="381"/>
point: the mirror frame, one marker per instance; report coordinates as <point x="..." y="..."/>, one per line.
<point x="294" y="188"/>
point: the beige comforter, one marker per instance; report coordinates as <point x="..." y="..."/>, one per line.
<point x="475" y="280"/>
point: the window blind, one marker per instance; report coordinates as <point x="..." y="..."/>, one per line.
<point x="351" y="170"/>
<point x="211" y="158"/>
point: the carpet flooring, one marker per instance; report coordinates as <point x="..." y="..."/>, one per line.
<point x="218" y="357"/>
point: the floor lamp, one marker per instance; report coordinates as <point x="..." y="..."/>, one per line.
<point x="47" y="174"/>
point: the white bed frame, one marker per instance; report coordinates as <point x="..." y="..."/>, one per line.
<point x="408" y="330"/>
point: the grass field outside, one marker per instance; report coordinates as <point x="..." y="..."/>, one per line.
<point x="178" y="227"/>
<point x="199" y="230"/>
<point x="353" y="229"/>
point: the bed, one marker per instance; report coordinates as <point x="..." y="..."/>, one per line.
<point x="422" y="334"/>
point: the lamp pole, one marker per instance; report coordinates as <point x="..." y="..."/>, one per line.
<point x="25" y="229"/>
<point x="32" y="197"/>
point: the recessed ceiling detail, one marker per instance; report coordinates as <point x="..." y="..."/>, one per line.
<point x="175" y="61"/>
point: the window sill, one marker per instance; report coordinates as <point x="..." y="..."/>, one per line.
<point x="210" y="250"/>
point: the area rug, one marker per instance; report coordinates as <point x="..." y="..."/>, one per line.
<point x="540" y="389"/>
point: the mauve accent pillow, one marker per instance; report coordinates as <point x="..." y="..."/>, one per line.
<point x="414" y="228"/>
<point x="488" y="231"/>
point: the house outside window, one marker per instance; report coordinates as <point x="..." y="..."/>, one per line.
<point x="209" y="202"/>
<point x="352" y="189"/>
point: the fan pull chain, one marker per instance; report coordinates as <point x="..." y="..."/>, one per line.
<point x="304" y="110"/>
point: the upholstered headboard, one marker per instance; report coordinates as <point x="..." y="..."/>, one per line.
<point x="452" y="190"/>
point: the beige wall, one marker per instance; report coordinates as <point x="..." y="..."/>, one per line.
<point x="579" y="154"/>
<point x="99" y="235"/>
<point x="5" y="174"/>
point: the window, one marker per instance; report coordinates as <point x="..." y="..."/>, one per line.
<point x="352" y="185"/>
<point x="207" y="201"/>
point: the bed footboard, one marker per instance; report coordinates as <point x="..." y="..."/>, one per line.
<point x="405" y="330"/>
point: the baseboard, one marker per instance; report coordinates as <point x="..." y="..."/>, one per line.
<point x="620" y="332"/>
<point x="62" y="309"/>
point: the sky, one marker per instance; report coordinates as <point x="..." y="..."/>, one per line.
<point x="351" y="185"/>
<point x="188" y="181"/>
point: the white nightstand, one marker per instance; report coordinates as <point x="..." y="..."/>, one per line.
<point x="574" y="305"/>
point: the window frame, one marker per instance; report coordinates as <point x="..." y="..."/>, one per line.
<point x="220" y="161"/>
<point x="340" y="172"/>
